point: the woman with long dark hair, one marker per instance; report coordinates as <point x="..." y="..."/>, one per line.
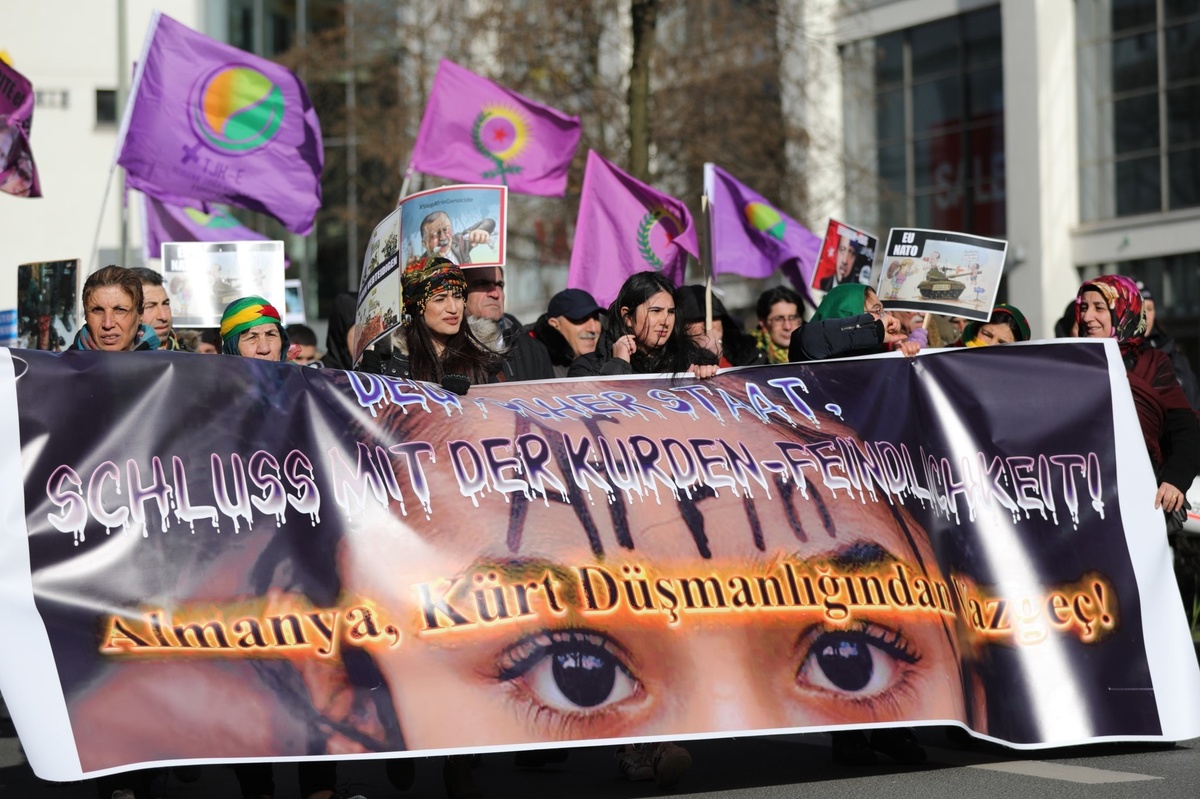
<point x="642" y="336"/>
<point x="435" y="340"/>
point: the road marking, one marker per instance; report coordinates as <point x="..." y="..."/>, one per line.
<point x="1057" y="771"/>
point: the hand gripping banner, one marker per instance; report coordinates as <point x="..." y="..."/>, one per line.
<point x="213" y="559"/>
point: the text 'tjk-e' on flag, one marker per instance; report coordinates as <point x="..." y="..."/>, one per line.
<point x="208" y="122"/>
<point x="18" y="173"/>
<point x="624" y="227"/>
<point x="477" y="131"/>
<point x="167" y="223"/>
<point x="753" y="238"/>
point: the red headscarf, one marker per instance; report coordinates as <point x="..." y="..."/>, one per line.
<point x="1124" y="303"/>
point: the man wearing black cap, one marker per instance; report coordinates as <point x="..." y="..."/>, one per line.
<point x="569" y="328"/>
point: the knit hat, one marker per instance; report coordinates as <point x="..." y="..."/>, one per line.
<point x="245" y="313"/>
<point x="999" y="313"/>
<point x="426" y="277"/>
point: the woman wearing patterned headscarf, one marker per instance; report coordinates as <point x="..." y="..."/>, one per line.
<point x="434" y="341"/>
<point x="1110" y="306"/>
<point x="252" y="328"/>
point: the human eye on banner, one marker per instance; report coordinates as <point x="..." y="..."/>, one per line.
<point x="938" y="271"/>
<point x="598" y="560"/>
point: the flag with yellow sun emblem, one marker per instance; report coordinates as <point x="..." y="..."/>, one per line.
<point x="477" y="131"/>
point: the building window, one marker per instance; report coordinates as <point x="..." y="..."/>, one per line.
<point x="106" y="107"/>
<point x="925" y="126"/>
<point x="1139" y="127"/>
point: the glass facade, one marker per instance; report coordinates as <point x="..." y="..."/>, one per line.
<point x="925" y="124"/>
<point x="1139" y="98"/>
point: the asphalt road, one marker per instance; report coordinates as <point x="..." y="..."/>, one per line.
<point x="760" y="768"/>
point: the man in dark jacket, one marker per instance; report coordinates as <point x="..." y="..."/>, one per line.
<point x="569" y="328"/>
<point x="527" y="357"/>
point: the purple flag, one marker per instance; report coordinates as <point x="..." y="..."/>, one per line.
<point x="476" y="131"/>
<point x="753" y="238"/>
<point x="18" y="175"/>
<point x="166" y="222"/>
<point x="624" y="227"/>
<point x="208" y="122"/>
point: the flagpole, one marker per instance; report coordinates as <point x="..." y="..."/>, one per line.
<point x="100" y="222"/>
<point x="404" y="184"/>
<point x="706" y="210"/>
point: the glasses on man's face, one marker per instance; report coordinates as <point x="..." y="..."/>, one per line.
<point x="790" y="319"/>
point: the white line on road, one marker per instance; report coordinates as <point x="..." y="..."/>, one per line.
<point x="1057" y="771"/>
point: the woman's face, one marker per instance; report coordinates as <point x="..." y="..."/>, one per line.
<point x="1095" y="319"/>
<point x="994" y="333"/>
<point x="652" y="321"/>
<point x="444" y="315"/>
<point x="112" y="318"/>
<point x="575" y="674"/>
<point x="261" y="341"/>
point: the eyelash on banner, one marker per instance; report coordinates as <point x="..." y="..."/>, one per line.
<point x="844" y="663"/>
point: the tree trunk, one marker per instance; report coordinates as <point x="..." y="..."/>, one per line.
<point x="644" y="15"/>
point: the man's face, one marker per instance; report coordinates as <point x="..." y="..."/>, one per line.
<point x="845" y="258"/>
<point x="308" y="354"/>
<point x="437" y="236"/>
<point x="156" y="310"/>
<point x="581" y="335"/>
<point x="1149" y="306"/>
<point x="782" y="322"/>
<point x="485" y="292"/>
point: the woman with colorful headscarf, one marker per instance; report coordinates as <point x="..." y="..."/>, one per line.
<point x="1005" y="326"/>
<point x="252" y="328"/>
<point x="851" y="321"/>
<point x="435" y="340"/>
<point x="1110" y="306"/>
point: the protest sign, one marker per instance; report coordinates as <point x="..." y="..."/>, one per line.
<point x="18" y="174"/>
<point x="47" y="304"/>
<point x="293" y="292"/>
<point x="465" y="224"/>
<point x="351" y="564"/>
<point x="941" y="272"/>
<point x="201" y="278"/>
<point x="478" y="131"/>
<point x="847" y="255"/>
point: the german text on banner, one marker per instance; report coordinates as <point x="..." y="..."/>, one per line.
<point x="477" y="131"/>
<point x="208" y="122"/>
<point x="168" y="223"/>
<point x="625" y="226"/>
<point x="344" y="564"/>
<point x="18" y="173"/>
<point x="753" y="238"/>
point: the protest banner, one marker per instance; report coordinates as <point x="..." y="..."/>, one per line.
<point x="465" y="224"/>
<point x="477" y="131"/>
<point x="937" y="271"/>
<point x="207" y="122"/>
<point x="625" y="226"/>
<point x="47" y="310"/>
<point x="18" y="173"/>
<point x="751" y="237"/>
<point x="201" y="277"/>
<point x="847" y="255"/>
<point x="164" y="223"/>
<point x="349" y="564"/>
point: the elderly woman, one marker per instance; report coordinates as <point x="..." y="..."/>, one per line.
<point x="112" y="312"/>
<point x="252" y="328"/>
<point x="1110" y="306"/>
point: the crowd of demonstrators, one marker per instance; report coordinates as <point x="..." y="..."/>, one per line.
<point x="779" y="315"/>
<point x="569" y="328"/>
<point x="725" y="338"/>
<point x="456" y="333"/>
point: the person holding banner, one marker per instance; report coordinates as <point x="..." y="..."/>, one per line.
<point x="641" y="335"/>
<point x="435" y="344"/>
<point x="112" y="311"/>
<point x="778" y="317"/>
<point x="725" y="338"/>
<point x="1006" y="325"/>
<point x="850" y="321"/>
<point x="252" y="328"/>
<point x="1110" y="306"/>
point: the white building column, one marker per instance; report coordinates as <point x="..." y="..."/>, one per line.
<point x="1041" y="153"/>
